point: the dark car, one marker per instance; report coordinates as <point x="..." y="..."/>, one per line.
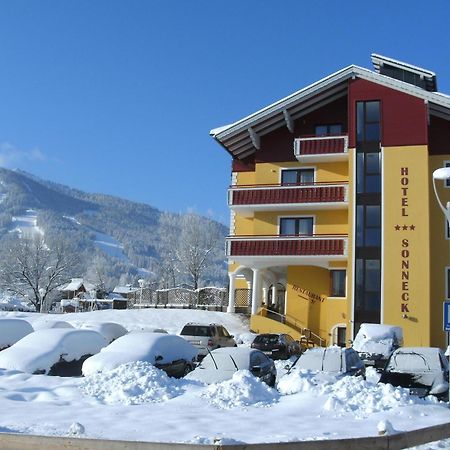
<point x="423" y="370"/>
<point x="277" y="345"/>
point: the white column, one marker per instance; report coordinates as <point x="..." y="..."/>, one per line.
<point x="256" y="294"/>
<point x="231" y="293"/>
<point x="265" y="296"/>
<point x="274" y="294"/>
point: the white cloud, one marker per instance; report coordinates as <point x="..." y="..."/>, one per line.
<point x="11" y="156"/>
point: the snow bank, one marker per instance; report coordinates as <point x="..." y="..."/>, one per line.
<point x="8" y="303"/>
<point x="12" y="330"/>
<point x="348" y="393"/>
<point x="140" y="347"/>
<point x="243" y="389"/>
<point x="132" y="384"/>
<point x="377" y="339"/>
<point x="40" y="350"/>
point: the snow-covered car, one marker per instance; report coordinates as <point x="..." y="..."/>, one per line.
<point x="50" y="324"/>
<point x="168" y="352"/>
<point x="56" y="351"/>
<point x="335" y="360"/>
<point x="220" y="365"/>
<point x="424" y="370"/>
<point x="375" y="343"/>
<point x="207" y="337"/>
<point x="12" y="330"/>
<point x="277" y="345"/>
<point x="109" y="330"/>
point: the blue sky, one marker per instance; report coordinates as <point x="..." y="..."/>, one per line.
<point x="118" y="97"/>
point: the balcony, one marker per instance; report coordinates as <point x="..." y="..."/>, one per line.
<point x="245" y="200"/>
<point x="315" y="249"/>
<point x="321" y="148"/>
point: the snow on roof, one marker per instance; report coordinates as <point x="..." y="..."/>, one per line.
<point x="40" y="350"/>
<point x="76" y="284"/>
<point x="109" y="330"/>
<point x="125" y="289"/>
<point x="256" y="124"/>
<point x="140" y="347"/>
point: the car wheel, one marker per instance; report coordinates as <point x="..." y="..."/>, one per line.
<point x="187" y="369"/>
<point x="272" y="380"/>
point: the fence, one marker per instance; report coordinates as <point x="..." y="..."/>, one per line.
<point x="204" y="298"/>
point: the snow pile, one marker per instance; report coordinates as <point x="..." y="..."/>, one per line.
<point x="242" y="390"/>
<point x="377" y="339"/>
<point x="349" y="394"/>
<point x="132" y="384"/>
<point x="12" y="330"/>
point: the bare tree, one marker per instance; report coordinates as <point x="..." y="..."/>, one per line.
<point x="31" y="269"/>
<point x="199" y="240"/>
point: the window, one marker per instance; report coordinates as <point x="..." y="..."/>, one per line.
<point x="369" y="172"/>
<point x="368" y="121"/>
<point x="368" y="225"/>
<point x="297" y="176"/>
<point x="296" y="226"/>
<point x="328" y="130"/>
<point x="337" y="283"/>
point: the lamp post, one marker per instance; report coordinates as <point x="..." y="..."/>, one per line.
<point x="443" y="174"/>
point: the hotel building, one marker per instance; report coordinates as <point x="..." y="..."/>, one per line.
<point x="334" y="221"/>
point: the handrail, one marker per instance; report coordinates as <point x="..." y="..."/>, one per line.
<point x="290" y="185"/>
<point x="301" y="327"/>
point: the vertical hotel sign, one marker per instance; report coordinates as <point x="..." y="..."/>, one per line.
<point x="404" y="228"/>
<point x="406" y="249"/>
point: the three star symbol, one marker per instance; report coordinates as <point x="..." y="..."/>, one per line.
<point x="404" y="227"/>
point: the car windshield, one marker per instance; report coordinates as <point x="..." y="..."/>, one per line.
<point x="328" y="360"/>
<point x="223" y="361"/>
<point x="408" y="361"/>
<point x="266" y="339"/>
<point x="196" y="330"/>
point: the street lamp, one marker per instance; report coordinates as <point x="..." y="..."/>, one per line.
<point x="443" y="174"/>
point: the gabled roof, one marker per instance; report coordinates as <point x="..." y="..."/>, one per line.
<point x="241" y="138"/>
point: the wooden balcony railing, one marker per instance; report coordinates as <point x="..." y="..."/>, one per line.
<point x="313" y="245"/>
<point x="326" y="146"/>
<point x="334" y="192"/>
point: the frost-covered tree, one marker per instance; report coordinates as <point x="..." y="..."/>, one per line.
<point x="32" y="269"/>
<point x="199" y="241"/>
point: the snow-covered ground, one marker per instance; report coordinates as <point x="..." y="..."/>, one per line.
<point x="119" y="403"/>
<point x="26" y="225"/>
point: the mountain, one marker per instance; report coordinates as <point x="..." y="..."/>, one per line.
<point x="117" y="239"/>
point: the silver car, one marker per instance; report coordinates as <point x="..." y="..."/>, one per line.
<point x="222" y="363"/>
<point x="207" y="337"/>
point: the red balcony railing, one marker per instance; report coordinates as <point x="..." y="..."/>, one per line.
<point x="320" y="145"/>
<point x="314" y="245"/>
<point x="287" y="194"/>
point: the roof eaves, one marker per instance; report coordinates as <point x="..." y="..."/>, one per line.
<point x="222" y="132"/>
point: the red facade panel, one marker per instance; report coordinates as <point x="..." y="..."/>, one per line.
<point x="285" y="247"/>
<point x="318" y="194"/>
<point x="403" y="117"/>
